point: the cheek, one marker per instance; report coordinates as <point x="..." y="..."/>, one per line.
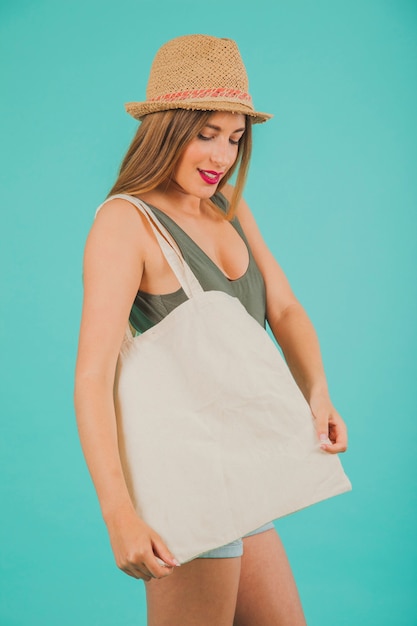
<point x="196" y="152"/>
<point x="189" y="160"/>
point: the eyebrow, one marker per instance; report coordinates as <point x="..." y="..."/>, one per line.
<point x="238" y="130"/>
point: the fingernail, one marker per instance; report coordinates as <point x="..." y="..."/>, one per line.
<point x="176" y="562"/>
<point x="323" y="437"/>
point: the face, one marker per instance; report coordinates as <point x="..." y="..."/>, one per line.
<point x="210" y="155"/>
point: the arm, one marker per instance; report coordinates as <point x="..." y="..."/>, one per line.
<point x="113" y="267"/>
<point x="296" y="335"/>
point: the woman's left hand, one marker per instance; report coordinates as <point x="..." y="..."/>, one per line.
<point x="329" y="426"/>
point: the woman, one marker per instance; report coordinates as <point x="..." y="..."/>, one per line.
<point x="195" y="131"/>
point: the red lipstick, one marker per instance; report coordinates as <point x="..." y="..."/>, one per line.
<point x="210" y="177"/>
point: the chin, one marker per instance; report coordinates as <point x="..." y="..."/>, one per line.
<point x="208" y="192"/>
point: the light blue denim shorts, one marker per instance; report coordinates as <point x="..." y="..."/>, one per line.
<point x="235" y="548"/>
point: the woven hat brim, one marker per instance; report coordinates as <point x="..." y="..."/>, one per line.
<point x="139" y="109"/>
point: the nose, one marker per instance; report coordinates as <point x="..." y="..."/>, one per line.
<point x="222" y="153"/>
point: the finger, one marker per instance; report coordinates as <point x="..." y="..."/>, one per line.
<point x="324" y="440"/>
<point x="334" y="448"/>
<point x="146" y="569"/>
<point x="137" y="567"/>
<point x="162" y="553"/>
<point x="158" y="568"/>
<point x="134" y="567"/>
<point x="322" y="428"/>
<point x="339" y="437"/>
<point x="163" y="564"/>
<point x="151" y="568"/>
<point x="138" y="574"/>
<point x="144" y="577"/>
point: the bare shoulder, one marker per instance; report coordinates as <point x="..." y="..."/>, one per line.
<point x="117" y="245"/>
<point x="114" y="260"/>
<point x="118" y="223"/>
<point x="118" y="216"/>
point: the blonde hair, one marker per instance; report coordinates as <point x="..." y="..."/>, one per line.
<point x="158" y="145"/>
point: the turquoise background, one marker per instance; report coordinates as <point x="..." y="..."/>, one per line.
<point x="333" y="185"/>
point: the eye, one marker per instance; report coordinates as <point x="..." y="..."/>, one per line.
<point x="234" y="142"/>
<point x="203" y="137"/>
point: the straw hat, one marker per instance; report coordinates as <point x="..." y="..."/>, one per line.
<point x="197" y="72"/>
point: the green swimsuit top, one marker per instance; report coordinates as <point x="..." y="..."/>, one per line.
<point x="149" y="309"/>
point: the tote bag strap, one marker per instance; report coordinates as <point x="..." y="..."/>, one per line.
<point x="168" y="246"/>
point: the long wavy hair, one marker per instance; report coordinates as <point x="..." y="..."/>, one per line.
<point x="158" y="145"/>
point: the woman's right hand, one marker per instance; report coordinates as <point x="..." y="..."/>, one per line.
<point x="137" y="548"/>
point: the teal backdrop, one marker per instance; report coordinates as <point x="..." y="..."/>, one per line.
<point x="333" y="185"/>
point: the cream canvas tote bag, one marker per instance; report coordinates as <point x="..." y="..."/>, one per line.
<point x="215" y="437"/>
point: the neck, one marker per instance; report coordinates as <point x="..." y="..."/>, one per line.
<point x="174" y="201"/>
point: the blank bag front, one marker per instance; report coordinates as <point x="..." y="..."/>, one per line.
<point x="215" y="437"/>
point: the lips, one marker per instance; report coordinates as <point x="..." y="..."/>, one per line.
<point x="210" y="177"/>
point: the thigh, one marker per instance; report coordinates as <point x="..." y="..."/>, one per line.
<point x="267" y="594"/>
<point x="202" y="592"/>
